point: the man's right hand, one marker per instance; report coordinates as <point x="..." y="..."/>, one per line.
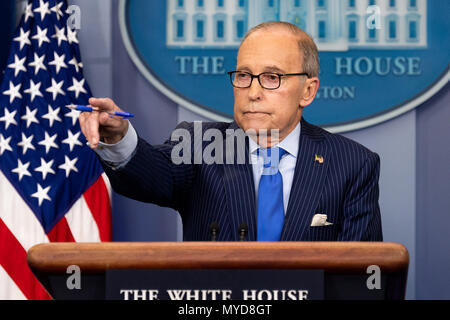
<point x="97" y="124"/>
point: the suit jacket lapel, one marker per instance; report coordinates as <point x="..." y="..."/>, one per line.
<point x="240" y="190"/>
<point x="309" y="177"/>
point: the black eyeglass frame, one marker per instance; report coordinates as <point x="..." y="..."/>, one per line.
<point x="230" y="73"/>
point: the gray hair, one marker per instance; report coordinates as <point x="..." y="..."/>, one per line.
<point x="306" y="44"/>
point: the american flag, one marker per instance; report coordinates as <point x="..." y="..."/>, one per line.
<point x="52" y="186"/>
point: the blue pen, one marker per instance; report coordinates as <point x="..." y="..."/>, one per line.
<point x="124" y="115"/>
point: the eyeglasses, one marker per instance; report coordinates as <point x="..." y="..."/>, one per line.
<point x="267" y="80"/>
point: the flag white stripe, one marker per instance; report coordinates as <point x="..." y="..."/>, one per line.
<point x="18" y="217"/>
<point x="108" y="186"/>
<point x="82" y="223"/>
<point x="8" y="288"/>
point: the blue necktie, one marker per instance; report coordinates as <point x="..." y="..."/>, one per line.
<point x="270" y="196"/>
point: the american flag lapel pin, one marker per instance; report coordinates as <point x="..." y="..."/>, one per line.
<point x="318" y="158"/>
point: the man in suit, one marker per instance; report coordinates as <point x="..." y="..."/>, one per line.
<point x="298" y="182"/>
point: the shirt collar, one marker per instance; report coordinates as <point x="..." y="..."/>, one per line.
<point x="290" y="143"/>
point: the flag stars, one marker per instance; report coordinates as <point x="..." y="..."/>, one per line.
<point x="42" y="70"/>
<point x="30" y="116"/>
<point x="28" y="12"/>
<point x="38" y="63"/>
<point x="75" y="63"/>
<point x="26" y="143"/>
<point x="23" y="38"/>
<point x="77" y="87"/>
<point x="52" y="115"/>
<point x="72" y="140"/>
<point x="41" y="36"/>
<point x="56" y="88"/>
<point x="69" y="165"/>
<point x="60" y="35"/>
<point x="4" y="144"/>
<point x="57" y="9"/>
<point x="18" y="65"/>
<point x="41" y="194"/>
<point x="13" y="92"/>
<point x="45" y="168"/>
<point x="72" y="36"/>
<point x="22" y="169"/>
<point x="43" y="9"/>
<point x="74" y="114"/>
<point x="49" y="142"/>
<point x="34" y="90"/>
<point x="8" y="118"/>
<point x="58" y="62"/>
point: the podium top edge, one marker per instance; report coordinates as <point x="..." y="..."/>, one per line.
<point x="331" y="256"/>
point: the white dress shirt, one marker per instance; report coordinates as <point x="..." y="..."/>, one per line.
<point x="117" y="155"/>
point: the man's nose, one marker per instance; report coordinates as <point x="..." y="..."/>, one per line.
<point x="255" y="91"/>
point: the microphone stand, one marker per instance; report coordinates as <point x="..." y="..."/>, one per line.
<point x="214" y="229"/>
<point x="243" y="230"/>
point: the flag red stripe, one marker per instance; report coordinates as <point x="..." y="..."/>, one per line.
<point x="61" y="232"/>
<point x="13" y="259"/>
<point x="97" y="199"/>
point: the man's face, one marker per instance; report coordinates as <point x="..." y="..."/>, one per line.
<point x="258" y="108"/>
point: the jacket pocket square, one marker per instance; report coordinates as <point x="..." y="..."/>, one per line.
<point x="320" y="220"/>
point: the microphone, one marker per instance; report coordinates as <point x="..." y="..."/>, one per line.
<point x="214" y="229"/>
<point x="243" y="230"/>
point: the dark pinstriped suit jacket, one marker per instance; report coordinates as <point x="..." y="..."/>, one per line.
<point x="344" y="187"/>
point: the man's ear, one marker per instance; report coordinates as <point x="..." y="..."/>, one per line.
<point x="309" y="91"/>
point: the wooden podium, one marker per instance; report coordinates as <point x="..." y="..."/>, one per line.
<point x="344" y="263"/>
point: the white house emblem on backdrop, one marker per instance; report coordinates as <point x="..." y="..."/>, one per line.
<point x="368" y="75"/>
<point x="333" y="25"/>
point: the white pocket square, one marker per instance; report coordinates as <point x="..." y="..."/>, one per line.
<point x="320" y="220"/>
